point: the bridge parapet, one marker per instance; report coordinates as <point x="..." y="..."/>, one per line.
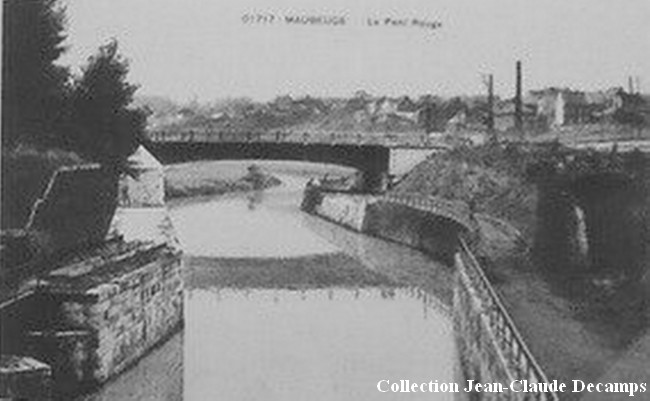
<point x="484" y="310"/>
<point x="386" y="139"/>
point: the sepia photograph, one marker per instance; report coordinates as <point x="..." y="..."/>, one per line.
<point x="325" y="200"/>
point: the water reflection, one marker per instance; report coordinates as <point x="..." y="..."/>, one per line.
<point x="255" y="198"/>
<point x="329" y="344"/>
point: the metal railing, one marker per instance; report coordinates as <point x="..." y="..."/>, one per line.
<point x="517" y="356"/>
<point x="402" y="139"/>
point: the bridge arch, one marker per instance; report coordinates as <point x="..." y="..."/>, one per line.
<point x="613" y="207"/>
<point x="371" y="160"/>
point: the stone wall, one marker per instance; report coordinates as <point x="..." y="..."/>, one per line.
<point x="344" y="209"/>
<point x="432" y="234"/>
<point x="481" y="360"/>
<point x="399" y="223"/>
<point x="108" y="316"/>
<point x="131" y="313"/>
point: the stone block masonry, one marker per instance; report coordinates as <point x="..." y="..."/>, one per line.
<point x="109" y="314"/>
<point x="108" y="289"/>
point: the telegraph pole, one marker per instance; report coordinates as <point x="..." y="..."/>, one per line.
<point x="488" y="81"/>
<point x="519" y="123"/>
<point x="490" y="121"/>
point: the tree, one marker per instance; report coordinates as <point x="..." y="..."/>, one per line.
<point x="630" y="113"/>
<point x="33" y="87"/>
<point x="104" y="127"/>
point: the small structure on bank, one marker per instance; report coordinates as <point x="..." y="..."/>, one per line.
<point x="102" y="282"/>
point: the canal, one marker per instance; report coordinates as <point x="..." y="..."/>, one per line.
<point x="280" y="305"/>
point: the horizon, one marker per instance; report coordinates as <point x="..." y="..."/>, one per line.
<point x="413" y="97"/>
<point x="207" y="50"/>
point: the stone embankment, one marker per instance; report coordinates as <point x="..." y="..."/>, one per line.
<point x="492" y="350"/>
<point x="105" y="283"/>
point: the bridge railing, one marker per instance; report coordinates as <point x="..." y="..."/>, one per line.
<point x="518" y="357"/>
<point x="404" y="139"/>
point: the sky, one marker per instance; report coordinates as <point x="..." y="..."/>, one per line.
<point x="208" y="49"/>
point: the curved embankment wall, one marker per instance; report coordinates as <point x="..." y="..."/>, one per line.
<point x="381" y="217"/>
<point x="491" y="348"/>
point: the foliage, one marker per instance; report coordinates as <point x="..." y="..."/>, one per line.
<point x="25" y="175"/>
<point x="103" y="127"/>
<point x="33" y="86"/>
<point x="631" y="113"/>
<point x="494" y="179"/>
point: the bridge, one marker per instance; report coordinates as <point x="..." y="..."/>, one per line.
<point x="377" y="155"/>
<point x="413" y="140"/>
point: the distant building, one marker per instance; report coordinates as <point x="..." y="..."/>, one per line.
<point x="385" y="108"/>
<point x="562" y="106"/>
<point x="504" y="116"/>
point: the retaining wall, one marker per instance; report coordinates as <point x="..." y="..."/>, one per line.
<point x="491" y="348"/>
<point x="344" y="209"/>
<point x="384" y="218"/>
<point x="104" y="316"/>
<point x="432" y="234"/>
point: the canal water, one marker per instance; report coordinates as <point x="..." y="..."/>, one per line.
<point x="280" y="305"/>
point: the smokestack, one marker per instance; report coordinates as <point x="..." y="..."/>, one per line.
<point x="630" y="85"/>
<point x="518" y="107"/>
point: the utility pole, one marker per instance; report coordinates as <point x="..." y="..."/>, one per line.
<point x="489" y="82"/>
<point x="491" y="103"/>
<point x="519" y="123"/>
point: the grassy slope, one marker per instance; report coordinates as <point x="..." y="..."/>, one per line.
<point x="490" y="178"/>
<point x="317" y="271"/>
<point x="207" y="178"/>
<point x="493" y="179"/>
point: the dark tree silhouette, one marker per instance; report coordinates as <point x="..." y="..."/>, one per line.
<point x="33" y="87"/>
<point x="104" y="128"/>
